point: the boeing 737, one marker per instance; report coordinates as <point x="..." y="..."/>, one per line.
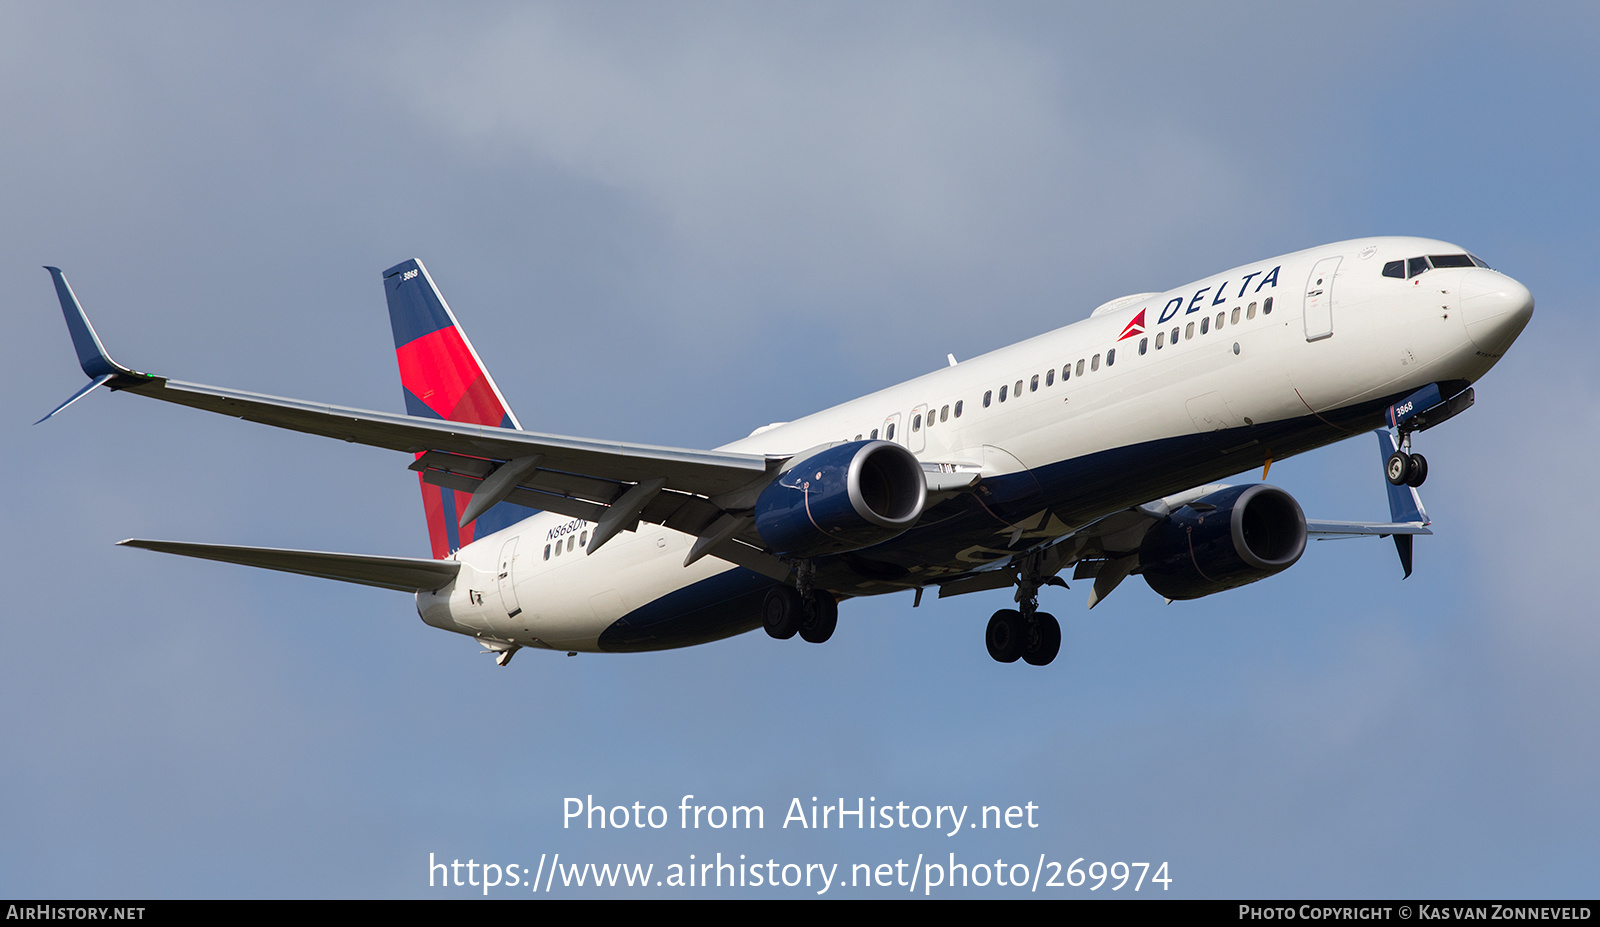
<point x="1094" y="447"/>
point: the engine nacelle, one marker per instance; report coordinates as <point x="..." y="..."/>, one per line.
<point x="1230" y="538"/>
<point x="844" y="498"/>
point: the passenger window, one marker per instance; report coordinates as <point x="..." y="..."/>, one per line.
<point x="583" y="539"/>
<point x="874" y="434"/>
<point x="1066" y="373"/>
<point x="1174" y="336"/>
<point x="1033" y="384"/>
<point x="1252" y="312"/>
<point x="1050" y="377"/>
<point x="1160" y="338"/>
<point x="958" y="408"/>
<point x="1017" y="390"/>
<point x="987" y="394"/>
<point x="558" y="548"/>
<point x="1095" y="363"/>
<point x="944" y="414"/>
<point x="888" y="434"/>
<point x="1266" y="307"/>
<point x="1395" y="269"/>
<point x="1220" y="317"/>
<point x="1235" y="319"/>
<point x="570" y="541"/>
<point x="1002" y="394"/>
<point x="1188" y="331"/>
<point x="1111" y="357"/>
<point x="858" y="437"/>
<point x="1144" y="345"/>
<point x="1205" y="325"/>
<point x="1080" y="366"/>
<point x="916" y="422"/>
<point x="547" y="552"/>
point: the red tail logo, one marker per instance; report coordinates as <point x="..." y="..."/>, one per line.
<point x="1136" y="327"/>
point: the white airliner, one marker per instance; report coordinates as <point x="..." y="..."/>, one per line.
<point x="1093" y="447"/>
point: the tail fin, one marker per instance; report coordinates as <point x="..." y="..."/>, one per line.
<point x="443" y="378"/>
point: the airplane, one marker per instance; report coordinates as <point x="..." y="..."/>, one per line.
<point x="1094" y="446"/>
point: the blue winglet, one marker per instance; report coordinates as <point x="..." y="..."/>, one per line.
<point x="92" y="356"/>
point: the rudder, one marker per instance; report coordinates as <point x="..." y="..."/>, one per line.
<point x="443" y="378"/>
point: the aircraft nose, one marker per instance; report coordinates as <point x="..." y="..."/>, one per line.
<point x="1496" y="308"/>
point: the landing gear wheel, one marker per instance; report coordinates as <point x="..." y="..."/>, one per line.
<point x="1005" y="635"/>
<point x="1041" y="639"/>
<point x="820" y="619"/>
<point x="781" y="612"/>
<point x="1419" y="470"/>
<point x="1398" y="468"/>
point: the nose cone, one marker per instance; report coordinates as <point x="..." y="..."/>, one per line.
<point x="1496" y="308"/>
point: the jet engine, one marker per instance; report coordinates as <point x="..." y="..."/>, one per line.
<point x="1229" y="538"/>
<point x="845" y="498"/>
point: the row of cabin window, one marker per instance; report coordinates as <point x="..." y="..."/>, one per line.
<point x="943" y="415"/>
<point x="1067" y="373"/>
<point x="572" y="540"/>
<point x="1093" y="364"/>
<point x="1206" y="326"/>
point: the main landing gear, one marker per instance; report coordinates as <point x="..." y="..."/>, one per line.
<point x="1024" y="631"/>
<point x="1404" y="468"/>
<point x="1036" y="639"/>
<point x="812" y="613"/>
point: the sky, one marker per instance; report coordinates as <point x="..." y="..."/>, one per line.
<point x="673" y="223"/>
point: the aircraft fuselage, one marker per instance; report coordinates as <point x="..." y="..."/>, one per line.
<point x="1144" y="399"/>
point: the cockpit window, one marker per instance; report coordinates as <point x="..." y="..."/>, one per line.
<point x="1418" y="265"/>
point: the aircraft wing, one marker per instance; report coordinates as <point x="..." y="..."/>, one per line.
<point x="613" y="483"/>
<point x="1107" y="549"/>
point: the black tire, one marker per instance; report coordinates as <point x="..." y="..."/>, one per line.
<point x="781" y="612"/>
<point x="1004" y="635"/>
<point x="1419" y="470"/>
<point x="819" y="621"/>
<point x="1041" y="639"/>
<point x="1398" y="468"/>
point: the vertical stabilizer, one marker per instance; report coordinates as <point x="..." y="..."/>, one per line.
<point x="443" y="378"/>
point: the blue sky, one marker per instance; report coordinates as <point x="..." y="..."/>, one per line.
<point x="671" y="224"/>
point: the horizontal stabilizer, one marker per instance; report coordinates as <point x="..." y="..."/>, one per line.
<point x="405" y="574"/>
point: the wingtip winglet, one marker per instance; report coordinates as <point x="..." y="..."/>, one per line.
<point x="1403" y="544"/>
<point x="92" y="356"/>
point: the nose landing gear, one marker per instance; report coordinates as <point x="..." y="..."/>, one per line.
<point x="1404" y="468"/>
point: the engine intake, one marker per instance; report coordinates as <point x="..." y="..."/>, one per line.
<point x="1230" y="538"/>
<point x="845" y="498"/>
